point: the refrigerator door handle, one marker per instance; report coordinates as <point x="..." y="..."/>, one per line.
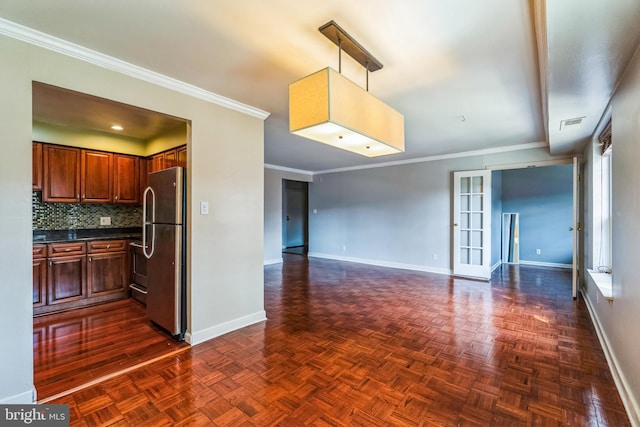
<point x="153" y="220"/>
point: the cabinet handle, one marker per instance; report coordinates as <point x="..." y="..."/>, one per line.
<point x="109" y="246"/>
<point x="50" y="263"/>
<point x="67" y="250"/>
<point x="116" y="198"/>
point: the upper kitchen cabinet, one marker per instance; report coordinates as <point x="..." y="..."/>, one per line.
<point x="126" y="179"/>
<point x="61" y="174"/>
<point x="170" y="158"/>
<point x="155" y="163"/>
<point x="97" y="176"/>
<point x="36" y="170"/>
<point x="182" y="156"/>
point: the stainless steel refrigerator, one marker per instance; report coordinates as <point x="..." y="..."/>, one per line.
<point x="163" y="238"/>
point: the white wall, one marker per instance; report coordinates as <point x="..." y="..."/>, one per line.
<point x="617" y="321"/>
<point x="273" y="210"/>
<point x="396" y="215"/>
<point x="226" y="165"/>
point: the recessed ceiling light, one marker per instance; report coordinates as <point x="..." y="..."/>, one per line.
<point x="117" y="127"/>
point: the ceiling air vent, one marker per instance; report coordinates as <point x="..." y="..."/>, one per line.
<point x="571" y="122"/>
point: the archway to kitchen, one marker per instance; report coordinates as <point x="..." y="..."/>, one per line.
<point x="89" y="278"/>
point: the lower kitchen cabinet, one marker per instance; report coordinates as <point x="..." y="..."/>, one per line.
<point x="39" y="275"/>
<point x="66" y="279"/>
<point x="107" y="273"/>
<point x="79" y="274"/>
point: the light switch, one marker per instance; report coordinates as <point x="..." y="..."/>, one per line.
<point x="105" y="220"/>
<point x="204" y="208"/>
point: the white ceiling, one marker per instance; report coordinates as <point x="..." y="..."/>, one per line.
<point x="466" y="74"/>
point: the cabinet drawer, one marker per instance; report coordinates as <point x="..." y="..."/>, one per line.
<point x="39" y="251"/>
<point x="100" y="246"/>
<point x="65" y="249"/>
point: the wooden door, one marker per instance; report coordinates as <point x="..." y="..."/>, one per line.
<point x="107" y="273"/>
<point x="61" y="174"/>
<point x="36" y="166"/>
<point x="126" y="179"/>
<point x="66" y="279"/>
<point x="97" y="176"/>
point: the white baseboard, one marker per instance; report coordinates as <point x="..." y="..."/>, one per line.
<point x="545" y="264"/>
<point x="496" y="265"/>
<point x="199" y="337"/>
<point x="628" y="400"/>
<point x="380" y="263"/>
<point x="25" y="398"/>
<point x="272" y="261"/>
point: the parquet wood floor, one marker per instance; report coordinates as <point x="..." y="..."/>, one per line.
<point x="356" y="345"/>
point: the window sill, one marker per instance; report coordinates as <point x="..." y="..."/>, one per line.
<point x="603" y="283"/>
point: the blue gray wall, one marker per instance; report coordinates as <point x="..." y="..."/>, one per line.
<point x="544" y="199"/>
<point x="496" y="217"/>
<point x="397" y="216"/>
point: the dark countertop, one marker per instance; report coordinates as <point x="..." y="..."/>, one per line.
<point x="59" y="236"/>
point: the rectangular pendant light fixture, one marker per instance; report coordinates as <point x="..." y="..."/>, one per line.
<point x="329" y="108"/>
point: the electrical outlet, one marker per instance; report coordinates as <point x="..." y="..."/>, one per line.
<point x="435" y="257"/>
<point x="105" y="220"/>
<point x="538" y="251"/>
<point x="204" y="208"/>
<point x="344" y="248"/>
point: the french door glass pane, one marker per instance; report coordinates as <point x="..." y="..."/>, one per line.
<point x="464" y="238"/>
<point x="464" y="203"/>
<point x="476" y="239"/>
<point x="476" y="202"/>
<point x="464" y="220"/>
<point x="465" y="185"/>
<point x="477" y="186"/>
<point x="464" y="255"/>
<point x="476" y="256"/>
<point x="476" y="221"/>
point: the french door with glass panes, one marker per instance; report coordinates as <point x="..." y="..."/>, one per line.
<point x="472" y="224"/>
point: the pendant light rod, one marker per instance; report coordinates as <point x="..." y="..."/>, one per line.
<point x="345" y="42"/>
<point x="339" y="55"/>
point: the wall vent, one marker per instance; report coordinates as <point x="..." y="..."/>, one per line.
<point x="571" y="122"/>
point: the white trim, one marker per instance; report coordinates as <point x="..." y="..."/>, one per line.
<point x="25" y="398"/>
<point x="198" y="337"/>
<point x="273" y="261"/>
<point x="625" y="391"/>
<point x="49" y="42"/>
<point x="380" y="263"/>
<point x="285" y="169"/>
<point x="546" y="264"/>
<point x="472" y="153"/>
<point x="554" y="162"/>
<point x="496" y="265"/>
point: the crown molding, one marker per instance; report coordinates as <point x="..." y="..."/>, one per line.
<point x="285" y="169"/>
<point x="472" y="153"/>
<point x="49" y="42"/>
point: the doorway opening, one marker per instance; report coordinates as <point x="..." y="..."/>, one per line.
<point x="510" y="241"/>
<point x="295" y="207"/>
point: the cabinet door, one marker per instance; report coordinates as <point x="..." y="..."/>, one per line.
<point x="36" y="166"/>
<point x="156" y="163"/>
<point x="66" y="279"/>
<point x="97" y="176"/>
<point x="39" y="282"/>
<point x="61" y="174"/>
<point x="143" y="177"/>
<point x="182" y="156"/>
<point x="170" y="158"/>
<point x="126" y="179"/>
<point x="107" y="273"/>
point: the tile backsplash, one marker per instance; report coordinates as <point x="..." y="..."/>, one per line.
<point x="71" y="216"/>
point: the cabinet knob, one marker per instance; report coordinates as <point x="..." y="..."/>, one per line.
<point x="109" y="246"/>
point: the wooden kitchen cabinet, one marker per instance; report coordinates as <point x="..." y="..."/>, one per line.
<point x="39" y="275"/>
<point x="66" y="279"/>
<point x="182" y="156"/>
<point x="170" y="158"/>
<point x="155" y="163"/>
<point x="97" y="176"/>
<point x="78" y="274"/>
<point x="61" y="166"/>
<point x="36" y="166"/>
<point x="126" y="179"/>
<point x="108" y="268"/>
